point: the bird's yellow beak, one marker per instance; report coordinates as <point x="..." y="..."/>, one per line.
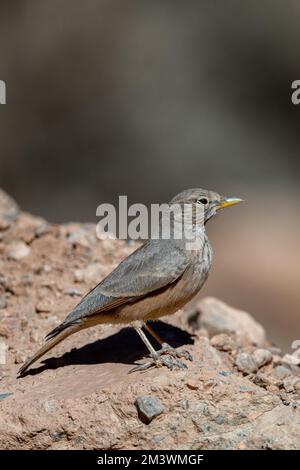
<point x="229" y="201"/>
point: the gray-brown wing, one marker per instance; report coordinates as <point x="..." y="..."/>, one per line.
<point x="154" y="265"/>
<point x="151" y="267"/>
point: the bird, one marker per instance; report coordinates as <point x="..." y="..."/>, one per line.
<point x="155" y="280"/>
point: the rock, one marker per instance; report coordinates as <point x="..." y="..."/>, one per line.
<point x="277" y="360"/>
<point x="4" y="224"/>
<point x="18" y="251"/>
<point x="79" y="235"/>
<point x="42" y="306"/>
<point x="223" y="342"/>
<point x="275" y="351"/>
<point x="81" y="396"/>
<point x="73" y="292"/>
<point x="245" y="363"/>
<point x="262" y="380"/>
<point x="219" y="419"/>
<point x="9" y="209"/>
<point x="88" y="393"/>
<point x="290" y="382"/>
<point x="192" y="385"/>
<point x="5" y="394"/>
<point x="297" y="386"/>
<point x="50" y="406"/>
<point x="42" y="229"/>
<point x="148" y="408"/>
<point x="90" y="274"/>
<point x="3" y="349"/>
<point x="46" y="268"/>
<point x="217" y="317"/>
<point x="2" y="302"/>
<point x="45" y="305"/>
<point x="20" y="357"/>
<point x="30" y="227"/>
<point x="262" y="357"/>
<point x="4" y="331"/>
<point x="291" y="359"/>
<point x="225" y="373"/>
<point x="281" y="372"/>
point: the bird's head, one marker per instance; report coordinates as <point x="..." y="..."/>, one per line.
<point x="210" y="200"/>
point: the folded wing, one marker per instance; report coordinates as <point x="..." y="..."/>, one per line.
<point x="151" y="267"/>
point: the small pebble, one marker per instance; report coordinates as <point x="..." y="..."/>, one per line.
<point x="184" y="404"/>
<point x="192" y="385"/>
<point x="297" y="386"/>
<point x="73" y="292"/>
<point x="290" y="383"/>
<point x="219" y="419"/>
<point x="79" y="236"/>
<point x="41" y="230"/>
<point x="275" y="351"/>
<point x="46" y="268"/>
<point x="5" y="394"/>
<point x="4" y="224"/>
<point x="291" y="359"/>
<point x="245" y="363"/>
<point x="272" y="388"/>
<point x="3" y="349"/>
<point x="50" y="406"/>
<point x="223" y="342"/>
<point x="261" y="380"/>
<point x="148" y="408"/>
<point x="281" y="372"/>
<point x="20" y="357"/>
<point x="2" y="302"/>
<point x="44" y="305"/>
<point x="9" y="209"/>
<point x="225" y="373"/>
<point x="18" y="251"/>
<point x="262" y="357"/>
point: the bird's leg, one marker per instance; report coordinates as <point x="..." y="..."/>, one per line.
<point x="146" y="341"/>
<point x="153" y="333"/>
<point x="156" y="359"/>
<point x="165" y="347"/>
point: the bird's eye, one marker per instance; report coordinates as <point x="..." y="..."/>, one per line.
<point x="203" y="201"/>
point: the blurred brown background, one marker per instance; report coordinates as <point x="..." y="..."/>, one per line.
<point x="148" y="98"/>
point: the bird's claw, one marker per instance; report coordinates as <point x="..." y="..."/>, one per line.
<point x="163" y="358"/>
<point x="179" y="353"/>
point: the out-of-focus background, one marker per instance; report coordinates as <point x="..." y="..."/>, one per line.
<point x="107" y="97"/>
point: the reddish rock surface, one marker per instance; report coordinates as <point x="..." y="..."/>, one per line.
<point x="80" y="396"/>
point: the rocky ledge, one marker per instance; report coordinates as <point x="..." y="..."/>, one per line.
<point x="239" y="392"/>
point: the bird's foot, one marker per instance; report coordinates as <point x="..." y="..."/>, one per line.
<point x="166" y="356"/>
<point x="159" y="361"/>
<point x="179" y="353"/>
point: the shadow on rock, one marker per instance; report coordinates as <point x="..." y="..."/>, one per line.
<point x="122" y="347"/>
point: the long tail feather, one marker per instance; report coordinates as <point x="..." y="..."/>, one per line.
<point x="53" y="340"/>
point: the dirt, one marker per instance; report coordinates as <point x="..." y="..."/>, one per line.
<point x="237" y="393"/>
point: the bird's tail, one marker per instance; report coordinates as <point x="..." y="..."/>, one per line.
<point x="53" y="338"/>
